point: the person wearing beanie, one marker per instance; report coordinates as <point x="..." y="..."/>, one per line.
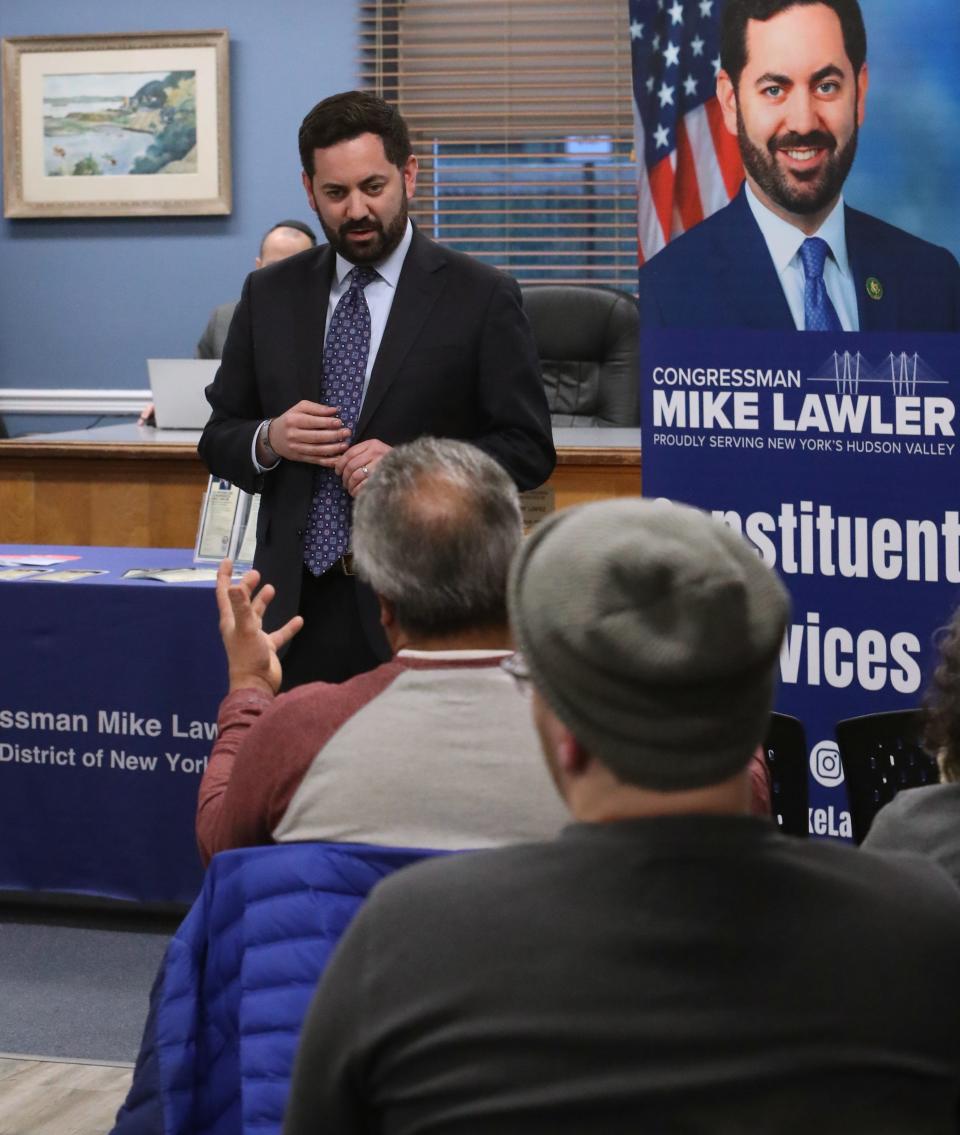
<point x="670" y="962"/>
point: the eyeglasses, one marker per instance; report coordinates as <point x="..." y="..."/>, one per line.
<point x="516" y="666"/>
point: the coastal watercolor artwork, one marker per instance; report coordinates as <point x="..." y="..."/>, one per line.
<point x="119" y="123"/>
<point x="116" y="125"/>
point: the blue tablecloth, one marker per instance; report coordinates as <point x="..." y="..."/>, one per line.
<point x="109" y="691"/>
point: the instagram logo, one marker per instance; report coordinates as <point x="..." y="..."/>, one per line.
<point x="825" y="764"/>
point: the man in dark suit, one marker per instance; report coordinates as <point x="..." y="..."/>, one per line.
<point x="337" y="354"/>
<point x="787" y="252"/>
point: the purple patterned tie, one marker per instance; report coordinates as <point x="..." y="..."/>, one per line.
<point x="344" y="367"/>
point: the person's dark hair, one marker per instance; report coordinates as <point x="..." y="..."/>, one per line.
<point x="733" y="29"/>
<point x="434" y="531"/>
<point x="348" y="115"/>
<point x="941" y="703"/>
<point x="291" y="224"/>
<point x="300" y="226"/>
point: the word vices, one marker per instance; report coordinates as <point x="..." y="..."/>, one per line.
<point x="836" y="657"/>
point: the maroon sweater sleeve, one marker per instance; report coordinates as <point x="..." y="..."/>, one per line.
<point x="263" y="750"/>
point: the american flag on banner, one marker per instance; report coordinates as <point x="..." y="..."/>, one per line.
<point x="688" y="166"/>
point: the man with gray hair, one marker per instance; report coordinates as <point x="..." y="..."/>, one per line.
<point x="434" y="749"/>
<point x="670" y="963"/>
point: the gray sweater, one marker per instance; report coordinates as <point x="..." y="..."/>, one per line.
<point x="925" y="820"/>
<point x="695" y="974"/>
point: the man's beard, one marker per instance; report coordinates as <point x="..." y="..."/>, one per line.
<point x="795" y="193"/>
<point x="372" y="251"/>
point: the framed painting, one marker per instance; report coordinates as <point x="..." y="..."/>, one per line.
<point x="116" y="125"/>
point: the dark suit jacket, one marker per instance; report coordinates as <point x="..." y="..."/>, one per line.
<point x="457" y="359"/>
<point x="719" y="274"/>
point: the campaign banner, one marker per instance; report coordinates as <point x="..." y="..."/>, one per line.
<point x="799" y="297"/>
<point x="837" y="457"/>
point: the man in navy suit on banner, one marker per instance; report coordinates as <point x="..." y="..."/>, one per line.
<point x="787" y="252"/>
<point x="339" y="353"/>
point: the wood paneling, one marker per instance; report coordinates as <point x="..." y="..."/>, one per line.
<point x="588" y="473"/>
<point x="128" y="496"/>
<point x="149" y="495"/>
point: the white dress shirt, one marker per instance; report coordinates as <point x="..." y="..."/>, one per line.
<point x="783" y="243"/>
<point x="379" y="294"/>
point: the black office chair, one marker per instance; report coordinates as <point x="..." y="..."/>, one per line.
<point x="587" y="340"/>
<point x="785" y="750"/>
<point x="881" y="753"/>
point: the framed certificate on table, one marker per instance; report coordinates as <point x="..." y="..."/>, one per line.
<point x="215" y="533"/>
<point x="228" y="524"/>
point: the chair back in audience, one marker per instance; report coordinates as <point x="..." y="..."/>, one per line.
<point x="785" y="750"/>
<point x="235" y="984"/>
<point x="881" y="753"/>
<point x="587" y="340"/>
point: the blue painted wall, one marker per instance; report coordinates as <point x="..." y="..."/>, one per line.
<point x="84" y="302"/>
<point x="906" y="168"/>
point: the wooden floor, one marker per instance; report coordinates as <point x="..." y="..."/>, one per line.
<point x="45" y="1097"/>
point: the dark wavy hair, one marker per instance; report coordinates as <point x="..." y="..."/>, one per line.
<point x="347" y="115"/>
<point x="941" y="702"/>
<point x="736" y="14"/>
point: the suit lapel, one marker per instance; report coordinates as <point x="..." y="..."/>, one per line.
<point x="749" y="280"/>
<point x="418" y="288"/>
<point x="873" y="277"/>
<point x="308" y="310"/>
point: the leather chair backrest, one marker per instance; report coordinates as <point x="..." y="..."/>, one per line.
<point x="785" y="751"/>
<point x="587" y="340"/>
<point x="881" y="753"/>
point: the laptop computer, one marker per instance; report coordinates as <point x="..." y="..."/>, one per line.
<point x="176" y="388"/>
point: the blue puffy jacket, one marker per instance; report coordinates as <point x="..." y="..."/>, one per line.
<point x="236" y="981"/>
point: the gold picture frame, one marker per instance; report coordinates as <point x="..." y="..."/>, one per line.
<point x="117" y="125"/>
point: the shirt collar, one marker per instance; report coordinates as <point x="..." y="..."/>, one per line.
<point x="784" y="240"/>
<point x="389" y="269"/>
<point x="453" y="655"/>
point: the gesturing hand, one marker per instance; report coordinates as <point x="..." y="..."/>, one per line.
<point x="309" y="432"/>
<point x="252" y="661"/>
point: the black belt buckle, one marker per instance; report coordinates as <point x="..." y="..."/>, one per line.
<point x="346" y="563"/>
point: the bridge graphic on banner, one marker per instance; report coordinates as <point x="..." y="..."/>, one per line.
<point x="900" y="372"/>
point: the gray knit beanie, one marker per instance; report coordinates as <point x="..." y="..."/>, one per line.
<point x="652" y="630"/>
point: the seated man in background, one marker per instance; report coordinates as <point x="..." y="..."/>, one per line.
<point x="670" y="963"/>
<point x="433" y="749"/>
<point x="282" y="240"/>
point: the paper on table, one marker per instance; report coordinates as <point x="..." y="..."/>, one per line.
<point x="65" y="575"/>
<point x="173" y="575"/>
<point x="14" y="560"/>
<point x="22" y="573"/>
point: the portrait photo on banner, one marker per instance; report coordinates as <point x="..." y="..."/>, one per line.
<point x="813" y="107"/>
<point x="799" y="294"/>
